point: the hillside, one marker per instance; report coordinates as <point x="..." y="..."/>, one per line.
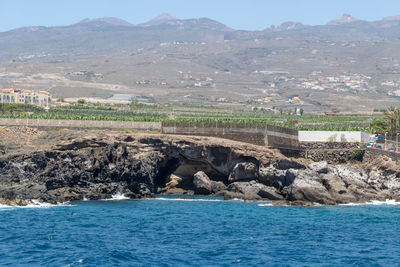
<point x="348" y="65"/>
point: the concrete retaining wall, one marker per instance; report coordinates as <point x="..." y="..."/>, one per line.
<point x="333" y="136"/>
<point x="146" y="126"/>
<point x="269" y="135"/>
<point x="252" y="136"/>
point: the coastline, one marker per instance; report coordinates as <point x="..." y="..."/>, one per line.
<point x="65" y="165"/>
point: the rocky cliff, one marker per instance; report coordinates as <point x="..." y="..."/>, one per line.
<point x="97" y="165"/>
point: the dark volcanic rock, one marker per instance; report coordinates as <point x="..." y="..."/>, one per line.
<point x="97" y="166"/>
<point x="275" y="177"/>
<point x="243" y="171"/>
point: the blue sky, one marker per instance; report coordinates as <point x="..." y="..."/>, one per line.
<point x="238" y="14"/>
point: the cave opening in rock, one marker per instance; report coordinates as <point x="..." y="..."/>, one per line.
<point x="164" y="172"/>
<point x="176" y="177"/>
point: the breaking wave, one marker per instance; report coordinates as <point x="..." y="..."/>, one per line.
<point x="265" y="205"/>
<point x="117" y="196"/>
<point x="36" y="204"/>
<point x="374" y="202"/>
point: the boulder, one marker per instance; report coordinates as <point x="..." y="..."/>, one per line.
<point x="271" y="176"/>
<point x="243" y="171"/>
<point x="202" y="183"/>
<point x="173" y="181"/>
<point x="253" y="191"/>
<point x="270" y="193"/>
<point x="217" y="187"/>
<point x="248" y="190"/>
<point x="308" y="186"/>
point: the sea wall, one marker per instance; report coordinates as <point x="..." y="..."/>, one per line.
<point x="149" y="126"/>
<point x="269" y="135"/>
<point x="334" y="136"/>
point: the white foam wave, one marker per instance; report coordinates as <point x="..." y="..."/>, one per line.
<point x="72" y="264"/>
<point x="186" y="199"/>
<point x="117" y="196"/>
<point x="265" y="205"/>
<point x="36" y="204"/>
<point x="374" y="202"/>
<point x="237" y="199"/>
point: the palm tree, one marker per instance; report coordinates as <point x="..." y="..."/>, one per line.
<point x="391" y="117"/>
<point x="378" y="126"/>
<point x="397" y="120"/>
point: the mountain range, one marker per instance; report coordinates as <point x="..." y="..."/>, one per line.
<point x="108" y="35"/>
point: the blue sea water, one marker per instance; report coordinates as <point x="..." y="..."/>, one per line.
<point x="208" y="232"/>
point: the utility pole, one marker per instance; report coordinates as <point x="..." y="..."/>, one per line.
<point x="384" y="148"/>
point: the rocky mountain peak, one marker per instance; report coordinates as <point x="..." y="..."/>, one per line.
<point x="161" y="19"/>
<point x="345" y="18"/>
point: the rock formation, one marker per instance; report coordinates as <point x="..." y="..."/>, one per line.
<point x="99" y="165"/>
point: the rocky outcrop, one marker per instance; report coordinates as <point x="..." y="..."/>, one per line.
<point x="319" y="167"/>
<point x="205" y="186"/>
<point x="243" y="171"/>
<point x="343" y="184"/>
<point x="251" y="191"/>
<point x="99" y="165"/>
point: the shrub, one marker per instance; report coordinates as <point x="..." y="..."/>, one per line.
<point x="358" y="155"/>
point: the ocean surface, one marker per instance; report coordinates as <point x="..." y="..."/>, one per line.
<point x="199" y="232"/>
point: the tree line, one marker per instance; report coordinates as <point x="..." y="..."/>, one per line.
<point x="389" y="124"/>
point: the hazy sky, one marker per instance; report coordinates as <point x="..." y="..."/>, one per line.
<point x="238" y="14"/>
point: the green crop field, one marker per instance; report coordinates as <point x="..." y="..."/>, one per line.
<point x="192" y="114"/>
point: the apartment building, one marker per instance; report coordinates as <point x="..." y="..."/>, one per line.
<point x="37" y="98"/>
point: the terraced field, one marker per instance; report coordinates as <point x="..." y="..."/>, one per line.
<point x="193" y="114"/>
